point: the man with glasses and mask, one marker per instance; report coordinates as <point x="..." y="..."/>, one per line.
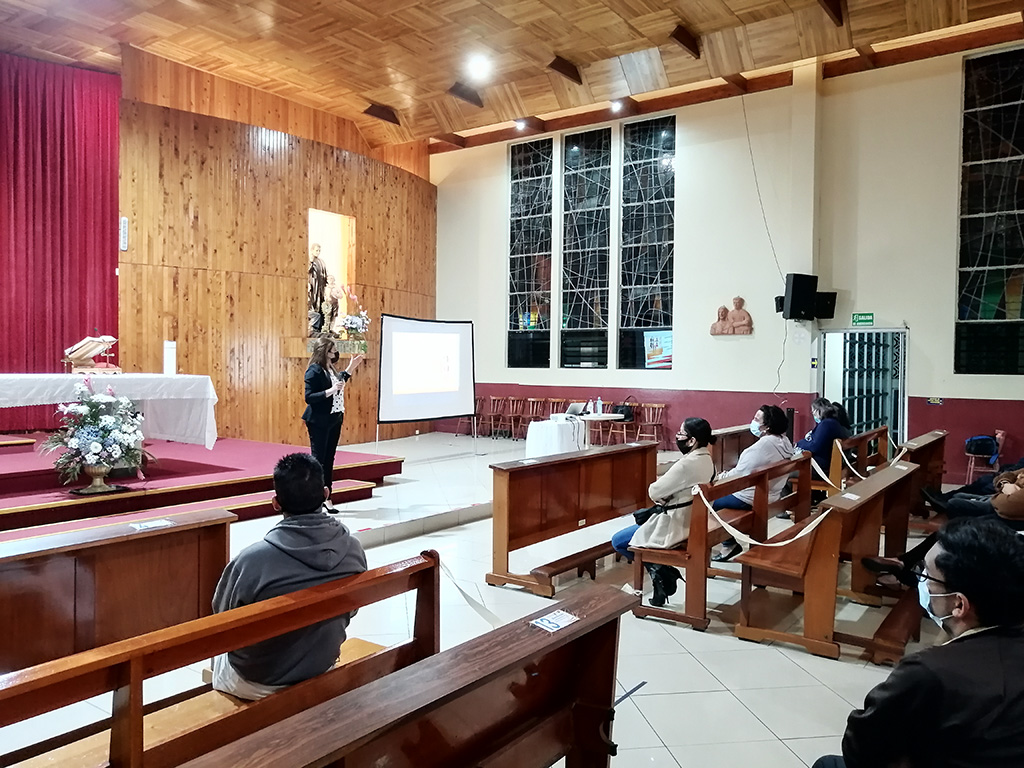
<point x="960" y="704"/>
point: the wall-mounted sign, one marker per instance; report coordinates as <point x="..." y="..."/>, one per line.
<point x="122" y="234"/>
<point x="934" y="401"/>
<point x="863" y="318"/>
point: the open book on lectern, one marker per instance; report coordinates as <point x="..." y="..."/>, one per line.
<point x="82" y="353"/>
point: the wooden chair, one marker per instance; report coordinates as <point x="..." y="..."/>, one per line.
<point x="982" y="464"/>
<point x="650" y="426"/>
<point x="513" y="420"/>
<point x="491" y="420"/>
<point x="536" y="409"/>
<point x="471" y="421"/>
<point x="693" y="556"/>
<point x="176" y="730"/>
<point x="556" y="405"/>
<point x="622" y="428"/>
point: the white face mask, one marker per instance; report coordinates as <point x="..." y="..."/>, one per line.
<point x="925" y="598"/>
<point x="755" y="428"/>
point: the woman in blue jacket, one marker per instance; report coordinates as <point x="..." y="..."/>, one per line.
<point x="828" y="426"/>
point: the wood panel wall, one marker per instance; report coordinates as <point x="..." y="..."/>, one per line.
<point x="413" y="156"/>
<point x="217" y="259"/>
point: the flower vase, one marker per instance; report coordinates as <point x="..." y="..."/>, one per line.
<point x="352" y="345"/>
<point x="97" y="472"/>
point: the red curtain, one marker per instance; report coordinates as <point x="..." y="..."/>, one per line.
<point x="58" y="217"/>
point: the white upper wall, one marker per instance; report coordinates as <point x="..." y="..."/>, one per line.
<point x="888" y="169"/>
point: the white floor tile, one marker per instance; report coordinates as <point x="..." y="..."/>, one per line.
<point x="664" y="673"/>
<point x="762" y="754"/>
<point x="49" y="724"/>
<point x="793" y="713"/>
<point x="717" y="717"/>
<point x="809" y="750"/>
<point x="644" y="758"/>
<point x="755" y="668"/>
<point x="630" y="730"/>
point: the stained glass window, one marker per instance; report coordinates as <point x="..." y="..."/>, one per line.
<point x="586" y="228"/>
<point x="648" y="232"/>
<point x="990" y="327"/>
<point x="530" y="249"/>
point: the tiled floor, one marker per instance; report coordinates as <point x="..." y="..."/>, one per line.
<point x="705" y="698"/>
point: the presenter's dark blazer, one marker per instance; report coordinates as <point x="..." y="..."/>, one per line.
<point x="318" y="405"/>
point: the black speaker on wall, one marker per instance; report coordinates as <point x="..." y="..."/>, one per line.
<point x="825" y="305"/>
<point x="801" y="295"/>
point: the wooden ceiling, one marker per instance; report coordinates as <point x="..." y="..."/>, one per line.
<point x="343" y="56"/>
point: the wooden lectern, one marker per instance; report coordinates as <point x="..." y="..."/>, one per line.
<point x="80" y="356"/>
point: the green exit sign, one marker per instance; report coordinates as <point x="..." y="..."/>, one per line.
<point x="863" y="318"/>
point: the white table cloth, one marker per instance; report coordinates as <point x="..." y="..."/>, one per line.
<point x="546" y="438"/>
<point x="178" y="407"/>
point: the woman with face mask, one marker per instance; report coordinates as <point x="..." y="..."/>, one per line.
<point x="673" y="491"/>
<point x="325" y="403"/>
<point x="769" y="425"/>
<point x="827" y="427"/>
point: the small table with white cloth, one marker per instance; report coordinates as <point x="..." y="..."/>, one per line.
<point x="596" y="419"/>
<point x="547" y="438"/>
<point x="178" y="407"/>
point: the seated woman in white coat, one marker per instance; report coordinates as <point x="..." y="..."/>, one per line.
<point x="673" y="490"/>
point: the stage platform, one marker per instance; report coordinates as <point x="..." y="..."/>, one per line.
<point x="236" y="475"/>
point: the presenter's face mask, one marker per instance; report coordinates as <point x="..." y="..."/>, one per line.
<point x="336" y="357"/>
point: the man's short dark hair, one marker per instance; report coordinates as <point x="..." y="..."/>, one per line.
<point x="775" y="421"/>
<point x="984" y="560"/>
<point x="299" y="484"/>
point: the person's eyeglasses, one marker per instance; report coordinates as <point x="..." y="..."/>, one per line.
<point x="920" y="575"/>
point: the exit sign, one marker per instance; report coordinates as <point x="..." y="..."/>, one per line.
<point x="863" y="318"/>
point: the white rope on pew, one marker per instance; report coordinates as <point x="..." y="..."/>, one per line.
<point x="852" y="468"/>
<point x="822" y="474"/>
<point x="743" y="538"/>
<point x="487" y="615"/>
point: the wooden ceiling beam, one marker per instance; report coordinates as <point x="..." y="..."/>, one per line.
<point x="383" y="112"/>
<point x="867" y="53"/>
<point x="566" y="69"/>
<point x="452" y="140"/>
<point x="628" y="106"/>
<point x="834" y="9"/>
<point x="466" y="94"/>
<point x="737" y="81"/>
<point x="686" y="40"/>
<point x="530" y="126"/>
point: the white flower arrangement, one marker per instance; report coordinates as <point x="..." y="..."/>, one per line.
<point x="356" y="323"/>
<point x="100" y="428"/>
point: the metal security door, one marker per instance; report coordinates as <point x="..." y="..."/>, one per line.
<point x="873" y="380"/>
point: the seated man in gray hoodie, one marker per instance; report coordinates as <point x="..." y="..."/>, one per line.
<point x="308" y="547"/>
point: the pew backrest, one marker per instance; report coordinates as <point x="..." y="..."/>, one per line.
<point x="123" y="666"/>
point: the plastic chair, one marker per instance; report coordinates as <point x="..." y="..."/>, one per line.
<point x="982" y="463"/>
<point x="478" y="407"/>
<point x="650" y="427"/>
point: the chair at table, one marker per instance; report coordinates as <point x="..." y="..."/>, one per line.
<point x="622" y="428"/>
<point x="649" y="427"/>
<point x="478" y="408"/>
<point x="556" y="405"/>
<point x="536" y="409"/>
<point x="491" y="420"/>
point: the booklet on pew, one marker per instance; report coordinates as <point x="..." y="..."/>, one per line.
<point x="555" y="621"/>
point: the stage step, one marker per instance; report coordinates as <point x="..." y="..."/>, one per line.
<point x="254" y="505"/>
<point x="9" y="445"/>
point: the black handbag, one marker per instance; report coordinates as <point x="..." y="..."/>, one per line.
<point x="626" y="409"/>
<point x="641" y="516"/>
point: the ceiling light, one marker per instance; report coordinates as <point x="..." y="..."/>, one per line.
<point x="520" y="125"/>
<point x="478" y="67"/>
<point x="616" y="106"/>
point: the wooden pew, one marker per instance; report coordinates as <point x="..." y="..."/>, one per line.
<point x="869" y="449"/>
<point x="810" y="565"/>
<point x="175" y="730"/>
<point x="516" y="697"/>
<point x="731" y="442"/>
<point x="69" y="587"/>
<point x="693" y="556"/>
<point x="539" y="499"/>
<point x="927" y="451"/>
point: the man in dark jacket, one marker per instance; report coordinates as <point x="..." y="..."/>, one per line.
<point x="308" y="547"/>
<point x="961" y="704"/>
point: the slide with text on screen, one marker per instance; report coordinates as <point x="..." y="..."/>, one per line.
<point x="426" y="369"/>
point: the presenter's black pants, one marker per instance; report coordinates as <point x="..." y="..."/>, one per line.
<point x="323" y="442"/>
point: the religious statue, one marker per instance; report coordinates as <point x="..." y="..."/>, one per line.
<point x="331" y="302"/>
<point x="317" y="287"/>
<point x="740" y="320"/>
<point x="722" y="326"/>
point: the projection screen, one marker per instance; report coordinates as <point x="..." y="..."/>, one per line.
<point x="426" y="369"/>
